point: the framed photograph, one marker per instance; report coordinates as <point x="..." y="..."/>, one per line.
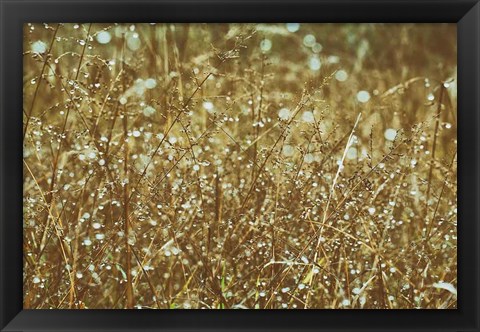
<point x="164" y="163"/>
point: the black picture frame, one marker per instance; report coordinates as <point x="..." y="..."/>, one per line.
<point x="466" y="13"/>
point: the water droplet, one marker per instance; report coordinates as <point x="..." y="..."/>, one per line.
<point x="208" y="105"/>
<point x="390" y="134"/>
<point x="285" y="289"/>
<point x="352" y="153"/>
<point x="309" y="40"/>
<point x="133" y="42"/>
<point x="341" y="75"/>
<point x="346" y="302"/>
<point x="284" y="114"/>
<point x="288" y="150"/>
<point x="363" y="96"/>
<point x="317" y="48"/>
<point x="149" y="111"/>
<point x="104" y="37"/>
<point x="136" y="133"/>
<point x="309" y="158"/>
<point x="150" y="83"/>
<point x="39" y="47"/>
<point x="266" y="45"/>
<point x="308" y="117"/>
<point x="293" y="27"/>
<point x="315" y="63"/>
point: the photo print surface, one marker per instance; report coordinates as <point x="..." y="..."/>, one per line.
<point x="239" y="166"/>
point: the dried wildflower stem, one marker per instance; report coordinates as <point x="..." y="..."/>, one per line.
<point x="434" y="144"/>
<point x="430" y="225"/>
<point x="126" y="198"/>
<point x="150" y="284"/>
<point x="300" y="106"/>
<point x="40" y="79"/>
<point x="331" y="194"/>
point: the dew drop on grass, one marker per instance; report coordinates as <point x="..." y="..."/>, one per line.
<point x="293" y="27"/>
<point x="363" y="96"/>
<point x="36" y="280"/>
<point x="266" y="45"/>
<point x="309" y="158"/>
<point x="39" y="47"/>
<point x="100" y="236"/>
<point x="390" y="134"/>
<point x="285" y="289"/>
<point x="208" y="105"/>
<point x="309" y="40"/>
<point x="284" y="114"/>
<point x="356" y="291"/>
<point x="133" y="42"/>
<point x="317" y="48"/>
<point x="352" y="153"/>
<point x="315" y="63"/>
<point x="136" y="133"/>
<point x="150" y="83"/>
<point x="341" y="75"/>
<point x="104" y="37"/>
<point x="288" y="150"/>
<point x="333" y="59"/>
<point x="308" y="117"/>
<point x="149" y="111"/>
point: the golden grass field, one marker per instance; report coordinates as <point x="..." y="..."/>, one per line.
<point x="255" y="166"/>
